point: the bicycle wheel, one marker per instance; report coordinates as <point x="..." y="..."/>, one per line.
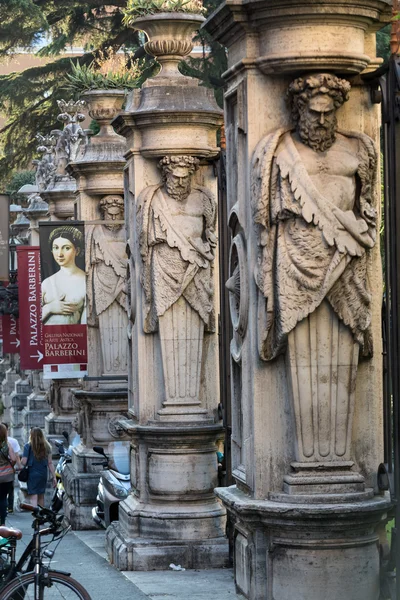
<point x="57" y="587"/>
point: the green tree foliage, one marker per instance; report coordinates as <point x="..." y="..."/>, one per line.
<point x="29" y="98"/>
<point x="213" y="61"/>
<point x="383" y="42"/>
<point x="16" y="182"/>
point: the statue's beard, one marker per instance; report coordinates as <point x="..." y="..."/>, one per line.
<point x="112" y="227"/>
<point x="109" y="221"/>
<point x="318" y="137"/>
<point x="177" y="192"/>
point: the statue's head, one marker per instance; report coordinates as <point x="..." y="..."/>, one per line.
<point x="112" y="208"/>
<point x="177" y="174"/>
<point x="314" y="102"/>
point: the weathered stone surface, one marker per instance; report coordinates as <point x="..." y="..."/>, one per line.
<point x="306" y="430"/>
<point x="97" y="169"/>
<point x="285" y="550"/>
<point x="173" y="361"/>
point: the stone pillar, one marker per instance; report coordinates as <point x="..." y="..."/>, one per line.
<point x="305" y="297"/>
<point x="57" y="188"/>
<point x="98" y="170"/>
<point x="37" y="405"/>
<point x="18" y="400"/>
<point x="7" y="388"/>
<point x="172" y="514"/>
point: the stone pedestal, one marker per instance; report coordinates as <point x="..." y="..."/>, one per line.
<point x="63" y="411"/>
<point x="18" y="400"/>
<point x="172" y="514"/>
<point x="98" y="414"/>
<point x="8" y="387"/>
<point x="98" y="170"/>
<point x="37" y="406"/>
<point x="288" y="551"/>
<point x="302" y="136"/>
<point x="4" y="366"/>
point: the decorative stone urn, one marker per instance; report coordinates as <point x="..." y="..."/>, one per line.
<point x="170" y="38"/>
<point x="104" y="151"/>
<point x="171" y="99"/>
<point x="104" y="105"/>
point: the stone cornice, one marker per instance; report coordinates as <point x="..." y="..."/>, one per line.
<point x="235" y="18"/>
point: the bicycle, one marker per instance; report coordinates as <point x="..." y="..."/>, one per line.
<point x="30" y="578"/>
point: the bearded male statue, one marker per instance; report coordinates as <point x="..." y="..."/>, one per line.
<point x="177" y="244"/>
<point x="106" y="263"/>
<point x="313" y="200"/>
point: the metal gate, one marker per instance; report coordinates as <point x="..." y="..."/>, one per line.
<point x="385" y="88"/>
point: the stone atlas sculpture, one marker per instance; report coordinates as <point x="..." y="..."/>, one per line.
<point x="177" y="244"/>
<point x="314" y="207"/>
<point x="106" y="263"/>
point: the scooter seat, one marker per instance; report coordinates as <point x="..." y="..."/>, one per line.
<point x="7" y="532"/>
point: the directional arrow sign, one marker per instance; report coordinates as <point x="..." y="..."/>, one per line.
<point x="29" y="307"/>
<point x="38" y="356"/>
<point x="10" y="334"/>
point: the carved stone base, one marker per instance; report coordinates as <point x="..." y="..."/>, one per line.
<point x="287" y="551"/>
<point x="325" y="480"/>
<point x="97" y="423"/>
<point x="7" y="387"/>
<point x="63" y="411"/>
<point x="55" y="425"/>
<point x="172" y="514"/>
<point x="79" y="514"/>
<point x="152" y="555"/>
<point x="186" y="414"/>
<point x="35" y="413"/>
<point x="81" y="480"/>
<point x="18" y="401"/>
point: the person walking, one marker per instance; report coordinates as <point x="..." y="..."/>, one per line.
<point x="37" y="455"/>
<point x="17" y="449"/>
<point x="7" y="462"/>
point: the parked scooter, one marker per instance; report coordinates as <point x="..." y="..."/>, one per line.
<point x="114" y="484"/>
<point x="65" y="458"/>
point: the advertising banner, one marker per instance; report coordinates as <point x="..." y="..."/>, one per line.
<point x="30" y="318"/>
<point x="10" y="334"/>
<point x="4" y="235"/>
<point x="63" y="294"/>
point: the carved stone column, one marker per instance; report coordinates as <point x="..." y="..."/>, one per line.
<point x="172" y="514"/>
<point x="57" y="188"/>
<point x="305" y="297"/>
<point x="37" y="405"/>
<point x="98" y="171"/>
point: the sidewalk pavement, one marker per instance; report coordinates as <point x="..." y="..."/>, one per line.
<point x="82" y="554"/>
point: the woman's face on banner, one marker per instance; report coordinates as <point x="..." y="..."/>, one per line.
<point x="64" y="252"/>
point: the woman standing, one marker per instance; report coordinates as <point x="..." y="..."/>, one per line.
<point x="7" y="461"/>
<point x="37" y="455"/>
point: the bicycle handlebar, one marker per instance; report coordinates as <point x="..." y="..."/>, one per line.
<point x="42" y="514"/>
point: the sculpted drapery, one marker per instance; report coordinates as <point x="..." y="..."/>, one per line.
<point x="106" y="264"/>
<point x="176" y="264"/>
<point x="176" y="222"/>
<point x="312" y="249"/>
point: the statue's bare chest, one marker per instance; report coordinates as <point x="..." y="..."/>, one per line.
<point x="188" y="215"/>
<point x="333" y="172"/>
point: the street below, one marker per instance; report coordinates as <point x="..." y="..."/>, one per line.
<point x="82" y="554"/>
